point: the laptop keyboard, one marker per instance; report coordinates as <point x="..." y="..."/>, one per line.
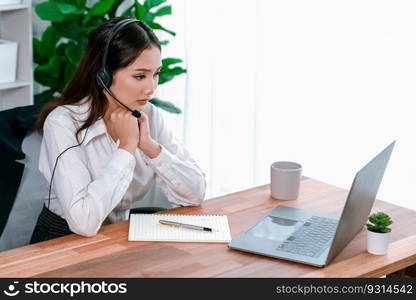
<point x="311" y="238"/>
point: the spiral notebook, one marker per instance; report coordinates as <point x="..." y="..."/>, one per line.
<point x="146" y="227"/>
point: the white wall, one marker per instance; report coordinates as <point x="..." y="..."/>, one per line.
<point x="328" y="84"/>
<point x="342" y="88"/>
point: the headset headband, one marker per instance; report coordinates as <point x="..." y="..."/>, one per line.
<point x="120" y="25"/>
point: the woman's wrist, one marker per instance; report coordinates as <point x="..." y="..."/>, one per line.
<point x="128" y="147"/>
<point x="151" y="149"/>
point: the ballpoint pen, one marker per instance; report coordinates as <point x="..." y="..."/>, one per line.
<point x="189" y="226"/>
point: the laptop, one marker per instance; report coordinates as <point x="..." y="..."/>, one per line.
<point x="315" y="238"/>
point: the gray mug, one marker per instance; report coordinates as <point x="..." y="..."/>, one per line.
<point x="285" y="180"/>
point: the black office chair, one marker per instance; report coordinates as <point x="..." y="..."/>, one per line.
<point x="18" y="179"/>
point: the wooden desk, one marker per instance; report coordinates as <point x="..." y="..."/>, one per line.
<point x="109" y="254"/>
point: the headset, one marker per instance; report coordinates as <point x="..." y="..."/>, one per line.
<point x="104" y="76"/>
<point x="104" y="79"/>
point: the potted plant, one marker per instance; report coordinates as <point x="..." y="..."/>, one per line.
<point x="378" y="233"/>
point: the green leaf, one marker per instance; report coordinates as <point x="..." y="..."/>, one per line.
<point x="140" y="10"/>
<point x="71" y="29"/>
<point x="69" y="72"/>
<point x="73" y="52"/>
<point x="164" y="43"/>
<point x="60" y="50"/>
<point x="170" y="61"/>
<point x="50" y="38"/>
<point x="42" y="75"/>
<point x="169" y="74"/>
<point x="68" y="9"/>
<point x="100" y="8"/>
<point x="92" y="24"/>
<point x="80" y="3"/>
<point x="45" y="96"/>
<point x="174" y="71"/>
<point x="148" y="17"/>
<point x="166" y="105"/>
<point x="49" y="11"/>
<point x="160" y="27"/>
<point x="163" y="11"/>
<point x="39" y="52"/>
<point x="52" y="68"/>
<point x="55" y="64"/>
<point x="149" y="4"/>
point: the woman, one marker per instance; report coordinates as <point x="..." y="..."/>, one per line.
<point x="108" y="158"/>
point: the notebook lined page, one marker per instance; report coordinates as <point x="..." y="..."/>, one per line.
<point x="146" y="227"/>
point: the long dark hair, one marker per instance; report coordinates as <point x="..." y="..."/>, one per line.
<point x="123" y="50"/>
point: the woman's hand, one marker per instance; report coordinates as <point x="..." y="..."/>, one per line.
<point x="148" y="145"/>
<point x="124" y="126"/>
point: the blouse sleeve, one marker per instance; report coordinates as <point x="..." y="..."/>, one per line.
<point x="178" y="175"/>
<point x="85" y="202"/>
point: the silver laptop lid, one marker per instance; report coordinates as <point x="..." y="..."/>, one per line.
<point x="360" y="200"/>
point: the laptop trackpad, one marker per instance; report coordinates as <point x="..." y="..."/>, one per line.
<point x="275" y="228"/>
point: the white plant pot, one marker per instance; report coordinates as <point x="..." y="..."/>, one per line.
<point x="8" y="61"/>
<point x="377" y="243"/>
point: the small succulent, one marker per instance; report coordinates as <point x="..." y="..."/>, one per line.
<point x="379" y="222"/>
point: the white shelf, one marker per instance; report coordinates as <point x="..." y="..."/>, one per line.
<point x="13" y="7"/>
<point x="15" y="84"/>
<point x="16" y="25"/>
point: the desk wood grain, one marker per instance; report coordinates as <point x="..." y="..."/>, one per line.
<point x="110" y="254"/>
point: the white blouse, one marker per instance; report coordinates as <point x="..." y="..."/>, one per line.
<point x="97" y="182"/>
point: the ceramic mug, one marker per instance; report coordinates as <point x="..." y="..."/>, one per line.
<point x="285" y="180"/>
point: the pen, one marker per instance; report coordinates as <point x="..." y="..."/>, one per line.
<point x="196" y="227"/>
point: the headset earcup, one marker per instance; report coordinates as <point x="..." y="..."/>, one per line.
<point x="104" y="77"/>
